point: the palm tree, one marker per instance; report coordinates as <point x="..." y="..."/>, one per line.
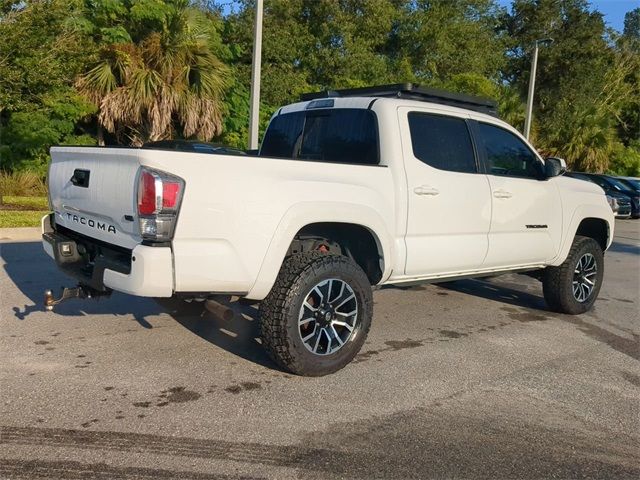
<point x="169" y="78"/>
<point x="587" y="143"/>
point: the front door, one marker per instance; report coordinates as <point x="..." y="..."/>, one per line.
<point x="449" y="202"/>
<point x="526" y="215"/>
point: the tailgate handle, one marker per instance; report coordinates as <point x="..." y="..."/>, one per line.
<point x="80" y="178"/>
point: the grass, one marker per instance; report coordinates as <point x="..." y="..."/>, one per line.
<point x="32" y="209"/>
<point x="38" y="203"/>
<point x="24" y="218"/>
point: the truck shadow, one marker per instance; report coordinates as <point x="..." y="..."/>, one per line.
<point x="32" y="272"/>
<point x="498" y="293"/>
<point x="239" y="335"/>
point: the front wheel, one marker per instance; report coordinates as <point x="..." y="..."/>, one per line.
<point x="317" y="315"/>
<point x="574" y="286"/>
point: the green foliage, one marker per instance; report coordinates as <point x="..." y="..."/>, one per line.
<point x="27" y="136"/>
<point x="152" y="69"/>
<point x="582" y="90"/>
<point x="444" y="38"/>
<point x="310" y="45"/>
<point x="625" y="161"/>
<point x="632" y="24"/>
<point x="39" y="57"/>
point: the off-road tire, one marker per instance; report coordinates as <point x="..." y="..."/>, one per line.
<point x="557" y="281"/>
<point x="280" y="309"/>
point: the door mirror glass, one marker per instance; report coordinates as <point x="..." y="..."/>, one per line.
<point x="554" y="166"/>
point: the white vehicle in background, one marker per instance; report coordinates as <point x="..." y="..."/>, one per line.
<point x="351" y="189"/>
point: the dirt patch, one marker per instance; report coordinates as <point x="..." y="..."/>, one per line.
<point x="632" y="378"/>
<point x="235" y="389"/>
<point x="364" y="356"/>
<point x="251" y="386"/>
<point x="624" y="300"/>
<point x="452" y="334"/>
<point x="526" y="317"/>
<point x="402" y="344"/>
<point x="181" y="395"/>
<point x="246" y="386"/>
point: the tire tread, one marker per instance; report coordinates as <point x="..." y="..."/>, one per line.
<point x="556" y="284"/>
<point x="273" y="309"/>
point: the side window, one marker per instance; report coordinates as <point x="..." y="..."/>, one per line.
<point x="507" y="154"/>
<point x="343" y="135"/>
<point x="282" y="135"/>
<point x="442" y="142"/>
<point x="340" y="135"/>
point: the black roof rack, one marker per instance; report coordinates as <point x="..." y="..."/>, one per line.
<point x="413" y="91"/>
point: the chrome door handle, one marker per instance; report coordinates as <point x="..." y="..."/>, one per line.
<point x="502" y="194"/>
<point x="426" y="190"/>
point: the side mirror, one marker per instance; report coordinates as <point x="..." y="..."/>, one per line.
<point x="554" y="166"/>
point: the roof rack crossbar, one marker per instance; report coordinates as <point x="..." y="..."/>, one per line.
<point x="413" y="91"/>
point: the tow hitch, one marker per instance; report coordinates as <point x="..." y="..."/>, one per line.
<point x="81" y="291"/>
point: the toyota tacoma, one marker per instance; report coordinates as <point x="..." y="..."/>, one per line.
<point x="350" y="190"/>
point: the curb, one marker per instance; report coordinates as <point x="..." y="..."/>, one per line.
<point x="20" y="234"/>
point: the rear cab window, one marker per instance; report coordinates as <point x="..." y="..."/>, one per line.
<point x="342" y="135"/>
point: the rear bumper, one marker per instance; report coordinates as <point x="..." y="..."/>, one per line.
<point x="144" y="271"/>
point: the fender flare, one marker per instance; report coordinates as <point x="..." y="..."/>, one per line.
<point x="305" y="213"/>
<point x="582" y="212"/>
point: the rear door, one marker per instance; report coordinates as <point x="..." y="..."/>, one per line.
<point x="92" y="191"/>
<point x="526" y="219"/>
<point x="449" y="201"/>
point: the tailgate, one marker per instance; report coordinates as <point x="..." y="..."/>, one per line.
<point x="92" y="191"/>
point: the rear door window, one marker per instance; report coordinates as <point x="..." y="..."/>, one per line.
<point x="341" y="135"/>
<point x="442" y="142"/>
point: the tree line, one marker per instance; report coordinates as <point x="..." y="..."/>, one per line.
<point x="124" y="72"/>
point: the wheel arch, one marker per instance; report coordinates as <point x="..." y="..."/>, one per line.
<point x="596" y="228"/>
<point x="596" y="222"/>
<point x="353" y="240"/>
<point x="358" y="220"/>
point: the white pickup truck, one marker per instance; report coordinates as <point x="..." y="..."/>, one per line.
<point x="351" y="189"/>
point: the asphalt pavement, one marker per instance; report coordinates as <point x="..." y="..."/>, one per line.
<point x="469" y="379"/>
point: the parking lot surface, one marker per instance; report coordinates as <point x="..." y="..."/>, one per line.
<point x="469" y="379"/>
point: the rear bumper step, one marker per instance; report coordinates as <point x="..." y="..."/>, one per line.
<point x="144" y="271"/>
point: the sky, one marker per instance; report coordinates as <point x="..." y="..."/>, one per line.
<point x="613" y="10"/>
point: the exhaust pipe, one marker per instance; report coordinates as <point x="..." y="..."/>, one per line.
<point x="219" y="310"/>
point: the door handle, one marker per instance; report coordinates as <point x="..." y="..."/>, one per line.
<point x="426" y="190"/>
<point x="502" y="194"/>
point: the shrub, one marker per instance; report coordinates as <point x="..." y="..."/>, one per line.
<point x="625" y="161"/>
<point x="22" y="183"/>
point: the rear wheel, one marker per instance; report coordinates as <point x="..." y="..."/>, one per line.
<point x="574" y="286"/>
<point x="318" y="313"/>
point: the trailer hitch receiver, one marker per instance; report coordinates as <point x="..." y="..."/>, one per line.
<point x="81" y="291"/>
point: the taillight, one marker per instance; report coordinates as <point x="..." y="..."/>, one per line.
<point x="147" y="194"/>
<point x="159" y="196"/>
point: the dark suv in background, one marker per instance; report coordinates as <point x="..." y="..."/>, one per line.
<point x="628" y="200"/>
<point x="631" y="183"/>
